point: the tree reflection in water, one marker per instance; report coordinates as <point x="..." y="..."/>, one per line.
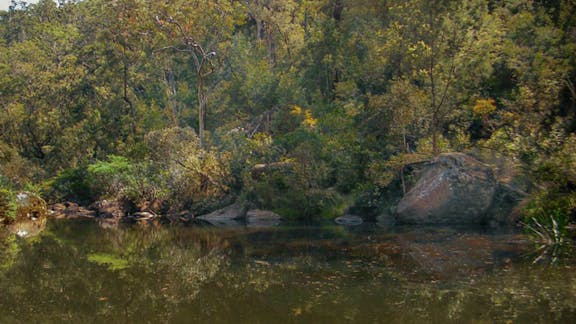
<point x="78" y="272"/>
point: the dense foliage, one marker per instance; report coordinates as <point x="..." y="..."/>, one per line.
<point x="177" y="102"/>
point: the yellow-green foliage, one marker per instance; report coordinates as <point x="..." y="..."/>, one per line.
<point x="484" y="107"/>
<point x="338" y="89"/>
<point x="189" y="173"/>
<point x="305" y="116"/>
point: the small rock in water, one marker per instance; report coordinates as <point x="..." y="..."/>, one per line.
<point x="143" y="215"/>
<point x="349" y="220"/>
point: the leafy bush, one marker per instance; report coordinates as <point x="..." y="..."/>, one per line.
<point x="188" y="174"/>
<point x="70" y="184"/>
<point x="324" y="203"/>
<point x="278" y="192"/>
<point x="295" y="189"/>
<point x="119" y="178"/>
<point x="551" y="207"/>
<point x="108" y="179"/>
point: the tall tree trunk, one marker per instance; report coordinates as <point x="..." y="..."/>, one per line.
<point x="201" y="109"/>
<point x="172" y="91"/>
<point x="435" y="134"/>
<point x="259" y="36"/>
<point x="126" y="99"/>
<point x="403" y="164"/>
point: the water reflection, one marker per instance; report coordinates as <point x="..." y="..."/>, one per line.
<point x="76" y="271"/>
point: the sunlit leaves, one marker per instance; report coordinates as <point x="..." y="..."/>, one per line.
<point x="483" y="107"/>
<point x="305" y="115"/>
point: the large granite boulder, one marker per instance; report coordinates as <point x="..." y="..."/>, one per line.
<point x="30" y="206"/>
<point x="453" y="189"/>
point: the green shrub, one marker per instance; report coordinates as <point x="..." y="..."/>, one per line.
<point x="108" y="179"/>
<point x="281" y="192"/>
<point x="7" y="205"/>
<point x="189" y="176"/>
<point x="119" y="178"/>
<point x="70" y="184"/>
<point x="324" y="203"/>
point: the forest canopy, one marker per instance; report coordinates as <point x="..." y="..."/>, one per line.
<point x="178" y="101"/>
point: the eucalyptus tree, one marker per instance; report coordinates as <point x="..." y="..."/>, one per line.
<point x="201" y="31"/>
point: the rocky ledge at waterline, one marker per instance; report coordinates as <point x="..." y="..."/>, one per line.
<point x="455" y="188"/>
<point x="111" y="213"/>
<point x="239" y="215"/>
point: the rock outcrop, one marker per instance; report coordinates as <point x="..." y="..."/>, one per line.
<point x="69" y="210"/>
<point x="241" y="215"/>
<point x="116" y="209"/>
<point x="453" y="189"/>
<point x="227" y="216"/>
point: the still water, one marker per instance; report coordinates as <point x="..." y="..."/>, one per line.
<point x="77" y="272"/>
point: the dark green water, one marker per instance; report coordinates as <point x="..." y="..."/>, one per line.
<point x="77" y="272"/>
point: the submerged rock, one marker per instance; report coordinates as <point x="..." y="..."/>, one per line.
<point x="144" y="218"/>
<point x="349" y="220"/>
<point x="143" y="215"/>
<point x="453" y="189"/>
<point x="262" y="218"/>
<point x="108" y="223"/>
